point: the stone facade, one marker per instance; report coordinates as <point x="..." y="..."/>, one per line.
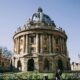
<point x="40" y="46"/>
<point x="75" y="66"/>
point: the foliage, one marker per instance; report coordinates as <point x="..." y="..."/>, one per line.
<point x="24" y="76"/>
<point x="71" y="76"/>
<point x="37" y="76"/>
<point x="5" y="52"/>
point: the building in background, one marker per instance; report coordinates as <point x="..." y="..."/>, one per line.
<point x="75" y="66"/>
<point x="40" y="46"/>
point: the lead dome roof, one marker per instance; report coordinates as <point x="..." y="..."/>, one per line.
<point x="40" y="17"/>
<point x="39" y="20"/>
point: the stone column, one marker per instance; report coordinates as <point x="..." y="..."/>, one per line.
<point x="61" y="45"/>
<point x="24" y="44"/>
<point x="23" y="47"/>
<point x="53" y="44"/>
<point x="37" y="43"/>
<point x="27" y="42"/>
<point x="41" y="41"/>
<point x="14" y="45"/>
<point x="37" y="52"/>
<point x="49" y="43"/>
<point x="18" y="45"/>
<point x="65" y="48"/>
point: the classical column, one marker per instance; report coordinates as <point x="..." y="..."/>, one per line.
<point x="49" y="43"/>
<point x="41" y="43"/>
<point x="66" y="48"/>
<point x="37" y="43"/>
<point x="14" y="45"/>
<point x="63" y="47"/>
<point x="17" y="45"/>
<point x="61" y="43"/>
<point x="24" y="44"/>
<point x="53" y="43"/>
<point x="27" y="42"/>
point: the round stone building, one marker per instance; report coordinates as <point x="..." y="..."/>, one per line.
<point x="40" y="46"/>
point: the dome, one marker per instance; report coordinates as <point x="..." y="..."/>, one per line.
<point x="39" y="20"/>
<point x="40" y="17"/>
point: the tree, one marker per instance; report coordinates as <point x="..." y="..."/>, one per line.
<point x="5" y="52"/>
<point x="5" y="58"/>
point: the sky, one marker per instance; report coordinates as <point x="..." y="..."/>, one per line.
<point x="65" y="13"/>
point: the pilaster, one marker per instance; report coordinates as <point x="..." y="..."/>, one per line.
<point x="50" y="43"/>
<point x="27" y="42"/>
<point x="37" y="43"/>
<point x="24" y="45"/>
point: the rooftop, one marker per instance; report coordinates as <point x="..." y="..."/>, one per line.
<point x="39" y="20"/>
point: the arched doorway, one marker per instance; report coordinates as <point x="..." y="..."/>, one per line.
<point x="30" y="65"/>
<point x="19" y="65"/>
<point x="46" y="64"/>
<point x="60" y="64"/>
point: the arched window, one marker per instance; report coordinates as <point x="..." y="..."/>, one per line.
<point x="30" y="65"/>
<point x="46" y="64"/>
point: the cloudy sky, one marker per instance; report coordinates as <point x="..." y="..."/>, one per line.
<point x="65" y="13"/>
